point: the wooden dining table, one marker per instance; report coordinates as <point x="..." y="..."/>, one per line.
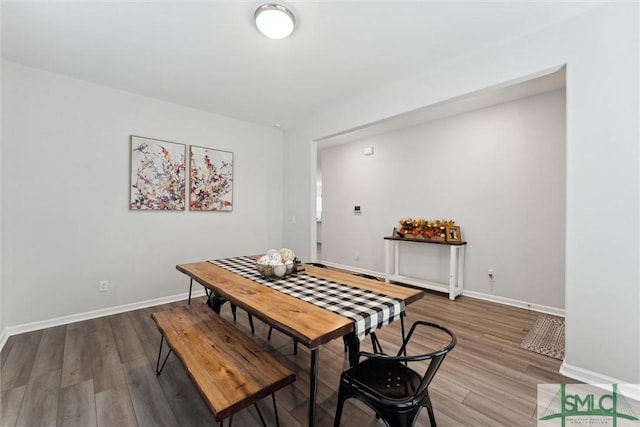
<point x="308" y="324"/>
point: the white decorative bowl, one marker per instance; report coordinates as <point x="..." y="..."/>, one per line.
<point x="274" y="265"/>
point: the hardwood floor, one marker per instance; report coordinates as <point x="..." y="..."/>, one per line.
<point x="100" y="372"/>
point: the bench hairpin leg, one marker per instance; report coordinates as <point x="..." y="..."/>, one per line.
<point x="230" y="421"/>
<point x="260" y="414"/>
<point x="264" y="423"/>
<point x="158" y="367"/>
<point x="275" y="408"/>
<point x="253" y="330"/>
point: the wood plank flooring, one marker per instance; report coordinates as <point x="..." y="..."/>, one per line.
<point x="100" y="372"/>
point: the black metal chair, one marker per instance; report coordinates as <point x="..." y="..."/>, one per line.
<point x="388" y="384"/>
<point x="316" y="264"/>
<point x="216" y="302"/>
<point x="367" y="276"/>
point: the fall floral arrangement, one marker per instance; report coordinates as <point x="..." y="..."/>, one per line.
<point x="427" y="229"/>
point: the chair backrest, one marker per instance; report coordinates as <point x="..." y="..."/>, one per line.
<point x="366" y="276"/>
<point x="435" y="358"/>
<point x="316" y="264"/>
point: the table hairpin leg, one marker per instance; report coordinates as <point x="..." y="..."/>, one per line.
<point x="353" y="346"/>
<point x="206" y="291"/>
<point x="375" y="344"/>
<point x="313" y="387"/>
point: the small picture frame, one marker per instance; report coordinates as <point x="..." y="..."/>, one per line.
<point x="396" y="233"/>
<point x="453" y="235"/>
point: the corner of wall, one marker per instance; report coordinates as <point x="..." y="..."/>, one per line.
<point x="589" y="377"/>
<point x="298" y="193"/>
<point x="3" y="329"/>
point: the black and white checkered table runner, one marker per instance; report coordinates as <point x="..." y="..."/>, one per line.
<point x="369" y="310"/>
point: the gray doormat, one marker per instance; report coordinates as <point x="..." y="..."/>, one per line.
<point x="546" y="336"/>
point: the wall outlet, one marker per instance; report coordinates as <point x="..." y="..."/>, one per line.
<point x="103" y="286"/>
<point x="491" y="275"/>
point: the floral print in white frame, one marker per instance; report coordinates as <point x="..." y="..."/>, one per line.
<point x="211" y="184"/>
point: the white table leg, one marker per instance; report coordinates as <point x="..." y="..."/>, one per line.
<point x="396" y="258"/>
<point x="453" y="271"/>
<point x="387" y="260"/>
<point x="461" y="269"/>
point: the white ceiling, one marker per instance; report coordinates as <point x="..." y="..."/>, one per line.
<point x="209" y="55"/>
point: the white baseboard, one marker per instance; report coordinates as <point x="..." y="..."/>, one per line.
<point x="515" y="303"/>
<point x="471" y="294"/>
<point x="589" y="377"/>
<point x="34" y="326"/>
<point x="4" y="336"/>
<point x="353" y="269"/>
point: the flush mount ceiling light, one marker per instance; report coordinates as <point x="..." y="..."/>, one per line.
<point x="274" y="21"/>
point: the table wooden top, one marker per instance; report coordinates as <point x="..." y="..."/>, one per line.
<point x="310" y="325"/>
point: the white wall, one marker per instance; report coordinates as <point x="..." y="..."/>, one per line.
<point x="67" y="223"/>
<point x="299" y="194"/>
<point x="3" y="331"/>
<point x="601" y="51"/>
<point x="499" y="172"/>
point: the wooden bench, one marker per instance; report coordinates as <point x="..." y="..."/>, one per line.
<point x="229" y="370"/>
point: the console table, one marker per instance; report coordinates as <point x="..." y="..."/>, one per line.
<point x="456" y="266"/>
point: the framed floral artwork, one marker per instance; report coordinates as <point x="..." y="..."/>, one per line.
<point x="211" y="184"/>
<point x="157" y="180"/>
